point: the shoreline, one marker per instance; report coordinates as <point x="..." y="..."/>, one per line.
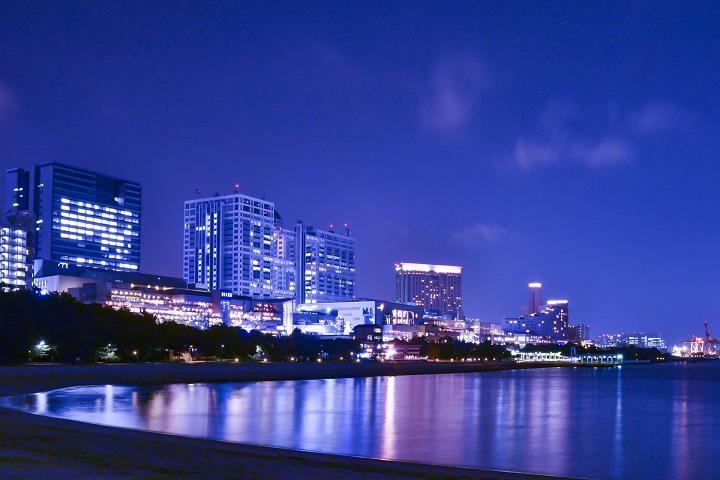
<point x="32" y="446"/>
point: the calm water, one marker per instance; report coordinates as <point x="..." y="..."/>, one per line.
<point x="647" y="421"/>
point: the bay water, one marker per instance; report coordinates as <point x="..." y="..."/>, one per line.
<point x="635" y="421"/>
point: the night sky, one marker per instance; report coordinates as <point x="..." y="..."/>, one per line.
<point x="570" y="143"/>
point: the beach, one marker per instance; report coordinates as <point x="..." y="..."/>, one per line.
<point x="33" y="446"/>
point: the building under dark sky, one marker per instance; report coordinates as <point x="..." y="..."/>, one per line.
<point x="86" y="218"/>
<point x="570" y="143"/>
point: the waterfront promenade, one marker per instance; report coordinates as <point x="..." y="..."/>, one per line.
<point x="39" y="447"/>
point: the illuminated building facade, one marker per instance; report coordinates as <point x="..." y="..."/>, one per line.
<point x="13" y="258"/>
<point x="237" y="243"/>
<point x="228" y="244"/>
<point x="324" y="265"/>
<point x="638" y="339"/>
<point x="436" y="287"/>
<point x="324" y="260"/>
<point x="550" y="322"/>
<point x="579" y="333"/>
<point x="341" y="318"/>
<point x="85" y="218"/>
<point x="166" y="298"/>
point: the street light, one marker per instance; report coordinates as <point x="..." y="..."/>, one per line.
<point x="222" y="347"/>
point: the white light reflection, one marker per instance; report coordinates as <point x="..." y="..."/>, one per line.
<point x="388" y="436"/>
<point x="619" y="452"/>
<point x="42" y="403"/>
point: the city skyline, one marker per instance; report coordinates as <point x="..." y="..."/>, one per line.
<point x="569" y="144"/>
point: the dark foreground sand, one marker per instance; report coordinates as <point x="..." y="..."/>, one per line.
<point x="33" y="447"/>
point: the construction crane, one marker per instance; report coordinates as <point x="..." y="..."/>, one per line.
<point x="707" y="347"/>
<point x="712" y="342"/>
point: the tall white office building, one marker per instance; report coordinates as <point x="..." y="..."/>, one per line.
<point x="238" y="243"/>
<point x="228" y="244"/>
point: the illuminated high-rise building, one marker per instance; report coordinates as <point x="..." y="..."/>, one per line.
<point x="237" y="243"/>
<point x="85" y="218"/>
<point x="227" y="244"/>
<point x="317" y="268"/>
<point x="324" y="265"/>
<point x="436" y="287"/>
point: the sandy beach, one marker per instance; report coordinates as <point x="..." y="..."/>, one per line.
<point x="33" y="446"/>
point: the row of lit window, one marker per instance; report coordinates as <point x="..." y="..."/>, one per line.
<point x="97" y="207"/>
<point x="95" y="223"/>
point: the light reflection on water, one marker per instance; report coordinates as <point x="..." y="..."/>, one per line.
<point x="635" y="422"/>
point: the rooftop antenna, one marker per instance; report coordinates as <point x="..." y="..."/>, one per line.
<point x="198" y="192"/>
<point x="237" y="188"/>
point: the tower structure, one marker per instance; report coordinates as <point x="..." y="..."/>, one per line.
<point x="535" y="300"/>
<point x="436" y="287"/>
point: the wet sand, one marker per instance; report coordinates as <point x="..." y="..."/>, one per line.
<point x="33" y="446"/>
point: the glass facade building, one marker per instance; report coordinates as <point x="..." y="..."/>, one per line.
<point x="86" y="219"/>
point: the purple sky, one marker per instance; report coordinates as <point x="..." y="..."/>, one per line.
<point x="571" y="143"/>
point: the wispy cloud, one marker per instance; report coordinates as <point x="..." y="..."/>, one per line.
<point x="9" y="102"/>
<point x="658" y="117"/>
<point x="480" y="233"/>
<point x="567" y="133"/>
<point x="449" y="98"/>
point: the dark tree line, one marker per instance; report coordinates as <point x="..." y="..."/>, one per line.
<point x="60" y="328"/>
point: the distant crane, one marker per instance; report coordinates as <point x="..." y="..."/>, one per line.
<point x="712" y="342"/>
<point x="703" y="347"/>
<point x="708" y="338"/>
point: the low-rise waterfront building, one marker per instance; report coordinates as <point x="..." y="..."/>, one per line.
<point x="340" y="318"/>
<point x="166" y="298"/>
<point x="638" y="339"/>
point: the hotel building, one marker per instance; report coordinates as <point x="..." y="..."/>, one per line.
<point x="436" y="287"/>
<point x="86" y="219"/>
